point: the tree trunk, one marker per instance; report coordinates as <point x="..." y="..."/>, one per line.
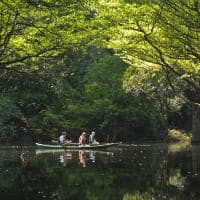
<point x="196" y="159"/>
<point x="196" y="123"/>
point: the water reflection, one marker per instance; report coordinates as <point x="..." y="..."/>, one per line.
<point x="24" y="157"/>
<point x="81" y="155"/>
<point x="196" y="159"/>
<point x="82" y="158"/>
<point x="92" y="156"/>
<point x="64" y="156"/>
<point x="135" y="172"/>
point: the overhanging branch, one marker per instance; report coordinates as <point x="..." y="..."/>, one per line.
<point x="162" y="59"/>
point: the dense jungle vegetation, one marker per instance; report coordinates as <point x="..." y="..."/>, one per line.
<point x="127" y="68"/>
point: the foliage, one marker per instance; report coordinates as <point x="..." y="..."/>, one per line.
<point x="101" y="104"/>
<point x="42" y="29"/>
<point x="114" y="66"/>
<point x="109" y="107"/>
<point x="162" y="36"/>
<point x="179" y="114"/>
<point x="180" y="136"/>
<point x="10" y="116"/>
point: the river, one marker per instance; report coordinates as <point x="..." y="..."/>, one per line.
<point x="131" y="172"/>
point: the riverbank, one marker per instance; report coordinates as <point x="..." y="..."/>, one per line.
<point x="178" y="136"/>
<point x="178" y="140"/>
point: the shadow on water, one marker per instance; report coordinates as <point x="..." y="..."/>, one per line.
<point x="132" y="172"/>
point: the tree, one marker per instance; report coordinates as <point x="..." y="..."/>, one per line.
<point x="35" y="29"/>
<point x="162" y="36"/>
<point x="10" y="116"/>
<point x="115" y="112"/>
<point x="35" y="40"/>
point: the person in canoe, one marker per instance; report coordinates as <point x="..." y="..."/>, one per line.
<point x="92" y="139"/>
<point x="67" y="141"/>
<point x="63" y="139"/>
<point x="82" y="139"/>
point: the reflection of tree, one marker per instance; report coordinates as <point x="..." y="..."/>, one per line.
<point x="184" y="168"/>
<point x="138" y="173"/>
<point x="178" y="147"/>
<point x="137" y="196"/>
<point x="196" y="159"/>
<point x="24" y="159"/>
<point x="113" y="177"/>
<point x="22" y="181"/>
<point x="193" y="176"/>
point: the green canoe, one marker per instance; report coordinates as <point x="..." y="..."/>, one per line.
<point x="87" y="146"/>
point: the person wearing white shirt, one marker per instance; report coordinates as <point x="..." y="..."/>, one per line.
<point x="62" y="138"/>
<point x="92" y="139"/>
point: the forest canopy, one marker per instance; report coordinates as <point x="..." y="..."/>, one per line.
<point x="128" y="69"/>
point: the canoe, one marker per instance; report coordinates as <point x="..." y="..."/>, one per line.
<point x="54" y="142"/>
<point x="87" y="146"/>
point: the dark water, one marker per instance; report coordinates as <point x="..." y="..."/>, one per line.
<point x="144" y="172"/>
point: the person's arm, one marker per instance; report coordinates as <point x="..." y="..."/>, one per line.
<point x="80" y="140"/>
<point x="95" y="142"/>
<point x="90" y="139"/>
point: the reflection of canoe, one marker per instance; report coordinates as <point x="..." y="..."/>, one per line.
<point x="93" y="146"/>
<point x="47" y="151"/>
<point x="41" y="151"/>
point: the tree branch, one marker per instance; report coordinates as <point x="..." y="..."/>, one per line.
<point x="160" y="53"/>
